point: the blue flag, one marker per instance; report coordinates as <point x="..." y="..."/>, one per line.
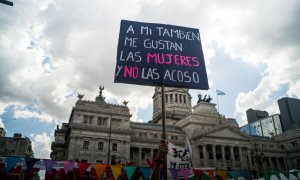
<point x="220" y="92"/>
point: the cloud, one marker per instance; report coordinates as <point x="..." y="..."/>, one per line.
<point x="65" y="47"/>
<point x="27" y="114"/>
<point x="1" y="123"/>
<point x="41" y="144"/>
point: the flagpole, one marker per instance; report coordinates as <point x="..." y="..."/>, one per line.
<point x="218" y="107"/>
<point x="164" y="136"/>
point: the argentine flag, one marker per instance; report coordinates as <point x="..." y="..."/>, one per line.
<point x="220" y="92"/>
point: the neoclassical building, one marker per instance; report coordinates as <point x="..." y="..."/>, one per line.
<point x="97" y="130"/>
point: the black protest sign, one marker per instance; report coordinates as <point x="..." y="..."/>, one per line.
<point x="156" y="54"/>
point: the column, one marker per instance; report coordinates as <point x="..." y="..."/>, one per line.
<point x="196" y="155"/>
<point x="204" y="155"/>
<point x="232" y="158"/>
<point x="285" y="164"/>
<point x="270" y="162"/>
<point x="151" y="153"/>
<point x="250" y="160"/>
<point x="93" y="146"/>
<point x="277" y="163"/>
<point x="223" y="157"/>
<point x="214" y="156"/>
<point x="241" y="158"/>
<point x="139" y="157"/>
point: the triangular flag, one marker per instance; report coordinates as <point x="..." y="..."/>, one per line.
<point x="11" y="162"/>
<point x="146" y="172"/>
<point x="274" y="177"/>
<point x="82" y="167"/>
<point x="129" y="171"/>
<point x="116" y="170"/>
<point x="99" y="168"/>
<point x="185" y="173"/>
<point x="267" y="175"/>
<point x="284" y="175"/>
<point x="211" y="173"/>
<point x="30" y="163"/>
<point x="222" y="173"/>
<point x="205" y="176"/>
<point x="198" y="173"/>
<point x="244" y="174"/>
<point x="220" y="92"/>
<point x="293" y="177"/>
<point x="233" y="174"/>
<point x="49" y="163"/>
<point x="67" y="165"/>
<point x="174" y="173"/>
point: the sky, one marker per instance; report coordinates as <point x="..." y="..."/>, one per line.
<point x="51" y="50"/>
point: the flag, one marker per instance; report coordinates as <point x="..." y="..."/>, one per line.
<point x="220" y="92"/>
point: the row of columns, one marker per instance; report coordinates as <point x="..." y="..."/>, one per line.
<point x="242" y="158"/>
<point x="245" y="161"/>
<point x="138" y="154"/>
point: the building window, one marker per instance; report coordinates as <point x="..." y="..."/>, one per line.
<point x="85" y="144"/>
<point x="184" y="100"/>
<point x="102" y="121"/>
<point x="155" y="136"/>
<point x="114" y="147"/>
<point x="294" y="143"/>
<point x="116" y="123"/>
<point x="91" y="119"/>
<point x="100" y="145"/>
<point x="176" y="98"/>
<point x="85" y="119"/>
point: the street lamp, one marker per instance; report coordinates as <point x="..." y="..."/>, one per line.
<point x="259" y="159"/>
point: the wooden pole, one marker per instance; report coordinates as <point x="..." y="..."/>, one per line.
<point x="163" y="112"/>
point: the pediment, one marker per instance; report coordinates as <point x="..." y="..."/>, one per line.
<point x="228" y="133"/>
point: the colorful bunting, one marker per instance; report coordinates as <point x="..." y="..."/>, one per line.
<point x="245" y="174"/>
<point x="222" y="173"/>
<point x="146" y="172"/>
<point x="233" y="174"/>
<point x="292" y="176"/>
<point x="49" y="163"/>
<point x="185" y="173"/>
<point x="205" y="176"/>
<point x="116" y="170"/>
<point x="30" y="163"/>
<point x="211" y="173"/>
<point x="82" y="167"/>
<point x="284" y="175"/>
<point x="198" y="173"/>
<point x="129" y="171"/>
<point x="174" y="173"/>
<point x="99" y="168"/>
<point x="67" y="165"/>
<point x="267" y="175"/>
<point x="11" y="162"/>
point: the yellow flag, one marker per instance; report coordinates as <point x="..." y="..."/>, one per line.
<point x="223" y="174"/>
<point x="116" y="170"/>
<point x="99" y="168"/>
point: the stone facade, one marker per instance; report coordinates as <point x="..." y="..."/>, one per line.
<point x="15" y="146"/>
<point x="216" y="141"/>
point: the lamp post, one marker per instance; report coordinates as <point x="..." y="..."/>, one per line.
<point x="259" y="158"/>
<point x="109" y="136"/>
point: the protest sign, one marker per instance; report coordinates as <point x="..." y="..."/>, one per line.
<point x="159" y="54"/>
